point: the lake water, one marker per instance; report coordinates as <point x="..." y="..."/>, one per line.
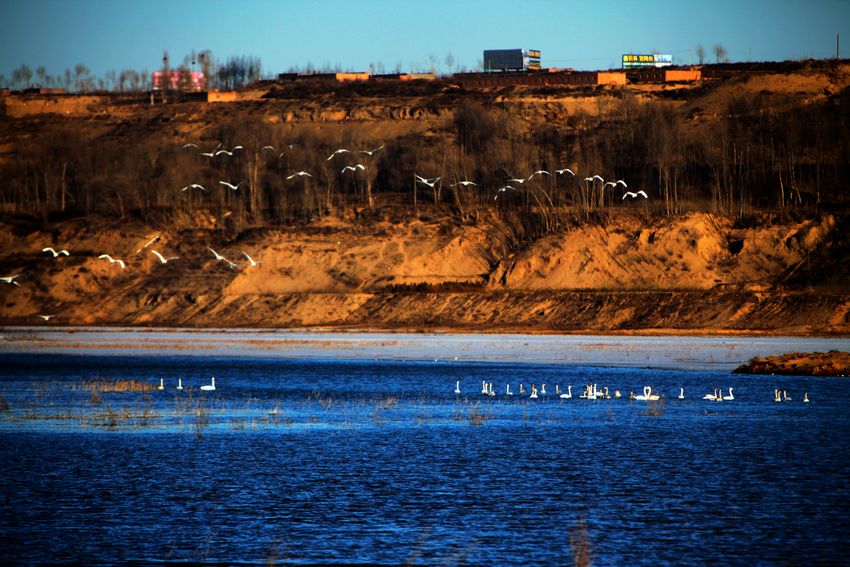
<point x="326" y="455"/>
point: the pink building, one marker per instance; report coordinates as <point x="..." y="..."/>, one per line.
<point x="195" y="81"/>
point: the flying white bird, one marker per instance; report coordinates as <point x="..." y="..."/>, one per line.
<point x="599" y="177"/>
<point x="565" y="170"/>
<point x="189" y="146"/>
<point x="336" y="152"/>
<point x="614" y="184"/>
<point x="353" y="168"/>
<point x="229" y="153"/>
<point x="11" y="279"/>
<point x="194" y="186"/>
<point x="428" y="182"/>
<point x="163" y="259"/>
<point x="46" y="317"/>
<point x="520" y="181"/>
<point x="55" y="253"/>
<point x="151" y="241"/>
<point x="502" y="190"/>
<point x="231" y="185"/>
<point x="221" y="258"/>
<point x="634" y="195"/>
<point x="216" y="254"/>
<point x="251" y="260"/>
<point x="114" y="260"/>
<point x="299" y="174"/>
<point x="588" y="180"/>
<point x="539" y="172"/>
<point x="211" y="153"/>
<point x="268" y="148"/>
<point x="370" y="152"/>
<point x="464" y="183"/>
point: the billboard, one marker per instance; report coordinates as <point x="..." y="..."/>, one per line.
<point x="635" y="61"/>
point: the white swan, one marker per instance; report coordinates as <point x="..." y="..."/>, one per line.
<point x="457" y="387"/>
<point x="785" y="397"/>
<point x="484" y="387"/>
<point x="533" y="392"/>
<point x="521" y="389"/>
<point x="543" y="389"/>
<point x="508" y="390"/>
<point x="776" y="396"/>
<point x="711" y="397"/>
<point x="617" y="394"/>
<point x="568" y="394"/>
<point x="210" y="386"/>
<point x="180" y="383"/>
<point x="490" y="390"/>
<point x="648" y="396"/>
<point x="730" y="397"/>
<point x="681" y="395"/>
<point x="805" y="397"/>
<point x="161" y="385"/>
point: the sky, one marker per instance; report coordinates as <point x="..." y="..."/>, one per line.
<point x="133" y="34"/>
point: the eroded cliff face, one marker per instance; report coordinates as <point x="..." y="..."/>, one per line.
<point x="692" y="273"/>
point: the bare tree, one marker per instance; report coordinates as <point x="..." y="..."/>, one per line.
<point x="700" y="50"/>
<point x="450" y="62"/>
<point x="720" y="53"/>
<point x="80" y="72"/>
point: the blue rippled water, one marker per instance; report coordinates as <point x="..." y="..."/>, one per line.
<point x="362" y="462"/>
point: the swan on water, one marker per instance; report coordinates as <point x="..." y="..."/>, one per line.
<point x="508" y="390"/>
<point x="210" y="386"/>
<point x="457" y="387"/>
<point x="533" y="392"/>
<point x="543" y="389"/>
<point x="711" y="397"/>
<point x="484" y="387"/>
<point x="730" y="397"/>
<point x="681" y="395"/>
<point x="161" y="385"/>
<point x="785" y="397"/>
<point x="805" y="397"/>
<point x="522" y="389"/>
<point x="180" y="383"/>
<point x="617" y="394"/>
<point x="568" y="394"/>
<point x="776" y="396"/>
<point x="648" y="395"/>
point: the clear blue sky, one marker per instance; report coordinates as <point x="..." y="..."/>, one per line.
<point x="119" y="34"/>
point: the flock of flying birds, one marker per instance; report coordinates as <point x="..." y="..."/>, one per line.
<point x="540" y="172"/>
<point x="13" y="279"/>
<point x="430" y="182"/>
<point x="233" y="187"/>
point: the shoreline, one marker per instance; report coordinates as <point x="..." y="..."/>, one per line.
<point x="658" y="351"/>
<point x="788" y="332"/>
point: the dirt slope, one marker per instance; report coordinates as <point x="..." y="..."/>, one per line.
<point x="696" y="273"/>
